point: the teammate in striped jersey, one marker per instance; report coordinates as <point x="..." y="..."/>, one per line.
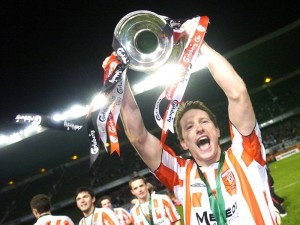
<point x="85" y="200"/>
<point x="123" y="216"/>
<point x="40" y="205"/>
<point x="151" y="208"/>
<point x="215" y="186"/>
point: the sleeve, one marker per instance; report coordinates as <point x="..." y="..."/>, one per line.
<point x="107" y="217"/>
<point x="170" y="209"/>
<point x="167" y="172"/>
<point x="132" y="215"/>
<point x="80" y="222"/>
<point x="126" y="216"/>
<point x="68" y="221"/>
<point x="249" y="147"/>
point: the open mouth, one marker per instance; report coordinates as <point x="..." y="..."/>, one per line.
<point x="203" y="141"/>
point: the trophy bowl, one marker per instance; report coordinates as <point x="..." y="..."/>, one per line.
<point x="147" y="39"/>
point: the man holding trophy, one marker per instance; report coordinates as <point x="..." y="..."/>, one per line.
<point x="216" y="186"/>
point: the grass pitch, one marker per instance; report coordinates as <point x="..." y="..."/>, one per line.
<point x="286" y="174"/>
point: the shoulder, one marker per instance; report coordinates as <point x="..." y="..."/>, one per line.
<point x="103" y="210"/>
<point x="66" y="218"/>
<point x="160" y="196"/>
<point x="133" y="209"/>
<point x="156" y="195"/>
<point x="62" y="217"/>
<point x="120" y="209"/>
<point x="81" y="221"/>
<point x="235" y="132"/>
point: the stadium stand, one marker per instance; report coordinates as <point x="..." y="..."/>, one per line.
<point x="113" y="172"/>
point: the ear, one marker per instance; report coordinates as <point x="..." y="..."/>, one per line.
<point x="148" y="185"/>
<point x="93" y="199"/>
<point x="35" y="213"/>
<point x="218" y="132"/>
<point x="183" y="144"/>
<point x="132" y="192"/>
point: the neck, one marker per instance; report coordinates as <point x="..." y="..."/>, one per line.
<point x="89" y="212"/>
<point x="44" y="214"/>
<point x="211" y="161"/>
<point x="146" y="199"/>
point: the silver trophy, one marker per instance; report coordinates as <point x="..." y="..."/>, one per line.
<point x="148" y="40"/>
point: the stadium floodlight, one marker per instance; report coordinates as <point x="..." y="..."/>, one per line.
<point x="4" y="139"/>
<point x="75" y="111"/>
<point x="30" y="130"/>
<point x="57" y="117"/>
<point x="148" y="83"/>
<point x="15" y="137"/>
<point x="164" y="75"/>
<point x="160" y="77"/>
<point x="98" y="101"/>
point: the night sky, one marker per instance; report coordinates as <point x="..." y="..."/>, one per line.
<point x="52" y="51"/>
<point x="51" y="54"/>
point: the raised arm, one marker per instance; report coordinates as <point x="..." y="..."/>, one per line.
<point x="147" y="145"/>
<point x="240" y="109"/>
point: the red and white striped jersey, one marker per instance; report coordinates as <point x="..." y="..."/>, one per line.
<point x="54" y="220"/>
<point x="101" y="216"/>
<point x="123" y="216"/>
<point x="162" y="209"/>
<point x="244" y="183"/>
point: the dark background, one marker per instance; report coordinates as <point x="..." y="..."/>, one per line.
<point x="52" y="52"/>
